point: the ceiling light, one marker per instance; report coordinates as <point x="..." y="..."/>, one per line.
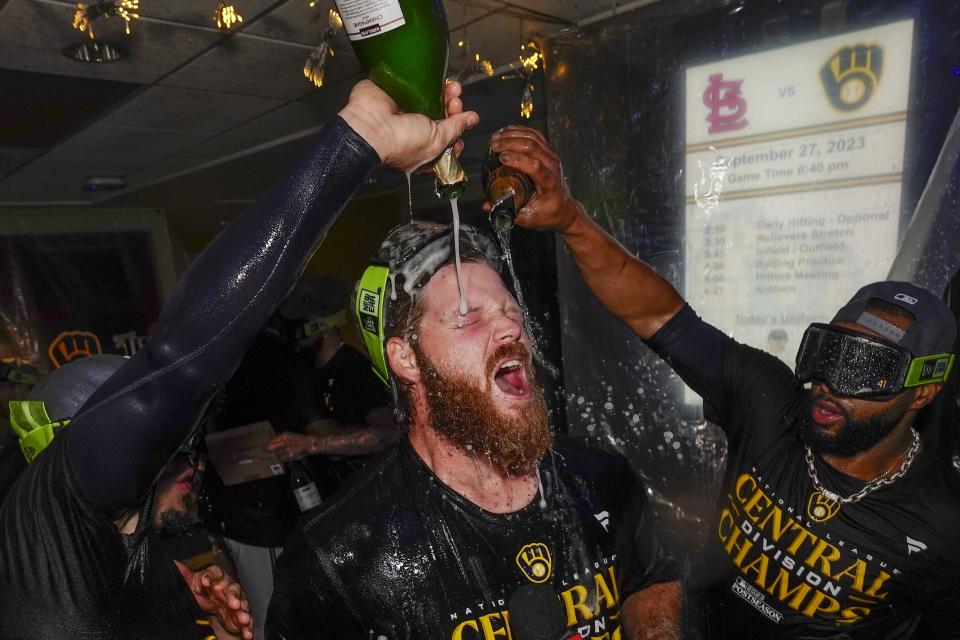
<point x="94" y="51"/>
<point x="103" y="183"/>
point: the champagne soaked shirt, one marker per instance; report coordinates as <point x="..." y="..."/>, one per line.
<point x="781" y="563"/>
<point x="398" y="555"/>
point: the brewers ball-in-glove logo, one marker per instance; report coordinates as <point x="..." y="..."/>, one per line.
<point x="851" y="76"/>
<point x="535" y="563"/>
<point x="821" y="508"/>
<point x="71" y="345"/>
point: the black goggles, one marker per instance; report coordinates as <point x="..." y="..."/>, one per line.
<point x="860" y="366"/>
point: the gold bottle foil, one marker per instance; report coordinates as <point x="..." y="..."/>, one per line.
<point x="451" y="180"/>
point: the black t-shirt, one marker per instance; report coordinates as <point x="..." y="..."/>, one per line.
<point x="874" y="569"/>
<point x="58" y="552"/>
<point x="398" y="554"/>
<point x="275" y="383"/>
<point x="347" y="390"/>
<point x="272" y="383"/>
<point x="348" y="387"/>
<point x="12" y="462"/>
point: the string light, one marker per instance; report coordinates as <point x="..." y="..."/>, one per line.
<point x="474" y="65"/>
<point x="316" y="64"/>
<point x="88" y="13"/>
<point x="226" y="16"/>
<point x="532" y="59"/>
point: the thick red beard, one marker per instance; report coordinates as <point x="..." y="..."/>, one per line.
<point x="464" y="413"/>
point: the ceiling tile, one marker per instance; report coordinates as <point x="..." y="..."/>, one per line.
<point x="188" y="110"/>
<point x="198" y="13"/>
<point x="295" y="21"/>
<point x="11" y="158"/>
<point x="33" y="34"/>
<point x="247" y="67"/>
<point x="133" y="148"/>
<point x="40" y="109"/>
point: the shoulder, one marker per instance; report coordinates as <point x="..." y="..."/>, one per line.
<point x="591" y="464"/>
<point x="363" y="501"/>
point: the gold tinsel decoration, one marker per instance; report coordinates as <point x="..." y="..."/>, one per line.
<point x="88" y="13"/>
<point x="315" y="67"/>
<point x="226" y="16"/>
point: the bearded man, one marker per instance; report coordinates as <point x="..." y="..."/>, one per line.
<point x="474" y="525"/>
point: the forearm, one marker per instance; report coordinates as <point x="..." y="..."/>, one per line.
<point x="132" y="425"/>
<point x="628" y="287"/>
<point x="330" y="438"/>
<point x="653" y="614"/>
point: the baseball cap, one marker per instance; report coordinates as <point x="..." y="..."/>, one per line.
<point x="315" y="296"/>
<point x="933" y="331"/>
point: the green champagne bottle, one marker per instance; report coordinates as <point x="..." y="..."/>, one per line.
<point x="403" y="46"/>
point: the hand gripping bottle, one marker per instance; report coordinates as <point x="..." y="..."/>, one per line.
<point x="403" y="46"/>
<point x="508" y="190"/>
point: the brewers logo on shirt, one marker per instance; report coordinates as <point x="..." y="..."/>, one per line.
<point x="535" y="562"/>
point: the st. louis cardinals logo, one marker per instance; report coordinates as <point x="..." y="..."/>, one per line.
<point x="727" y="106"/>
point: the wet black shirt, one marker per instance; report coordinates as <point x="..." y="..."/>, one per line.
<point x="348" y="387"/>
<point x="347" y="390"/>
<point x="782" y="565"/>
<point x="92" y="576"/>
<point x="273" y="383"/>
<point x="399" y="555"/>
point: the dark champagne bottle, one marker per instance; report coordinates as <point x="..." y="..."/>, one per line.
<point x="303" y="487"/>
<point x="507" y="189"/>
<point x="403" y="46"/>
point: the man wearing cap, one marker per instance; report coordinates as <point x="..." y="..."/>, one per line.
<point x="321" y="397"/>
<point x="65" y="568"/>
<point x="354" y="415"/>
<point x="837" y="520"/>
<point x="476" y="524"/>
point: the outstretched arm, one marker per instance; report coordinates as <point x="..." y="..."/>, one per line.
<point x="628" y="287"/>
<point x="129" y="428"/>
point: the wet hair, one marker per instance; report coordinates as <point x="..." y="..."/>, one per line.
<point x="401" y="319"/>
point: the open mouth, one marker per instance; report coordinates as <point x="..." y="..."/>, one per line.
<point x="825" y="413"/>
<point x="511" y="378"/>
<point x="184" y="481"/>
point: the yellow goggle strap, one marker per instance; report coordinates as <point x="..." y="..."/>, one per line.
<point x="29" y="420"/>
<point x="369" y="309"/>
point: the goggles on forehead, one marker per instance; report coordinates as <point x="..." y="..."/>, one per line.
<point x="860" y="366"/>
<point x="368" y="307"/>
<point x="34" y="428"/>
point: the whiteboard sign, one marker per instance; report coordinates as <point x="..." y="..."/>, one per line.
<point x="794" y="160"/>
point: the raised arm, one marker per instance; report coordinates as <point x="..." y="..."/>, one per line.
<point x="628" y="287"/>
<point x="129" y="428"/>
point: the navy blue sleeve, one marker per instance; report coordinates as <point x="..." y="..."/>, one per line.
<point x="732" y="378"/>
<point x="694" y="349"/>
<point x="128" y="430"/>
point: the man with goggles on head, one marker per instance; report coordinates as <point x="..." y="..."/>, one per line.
<point x="835" y="520"/>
